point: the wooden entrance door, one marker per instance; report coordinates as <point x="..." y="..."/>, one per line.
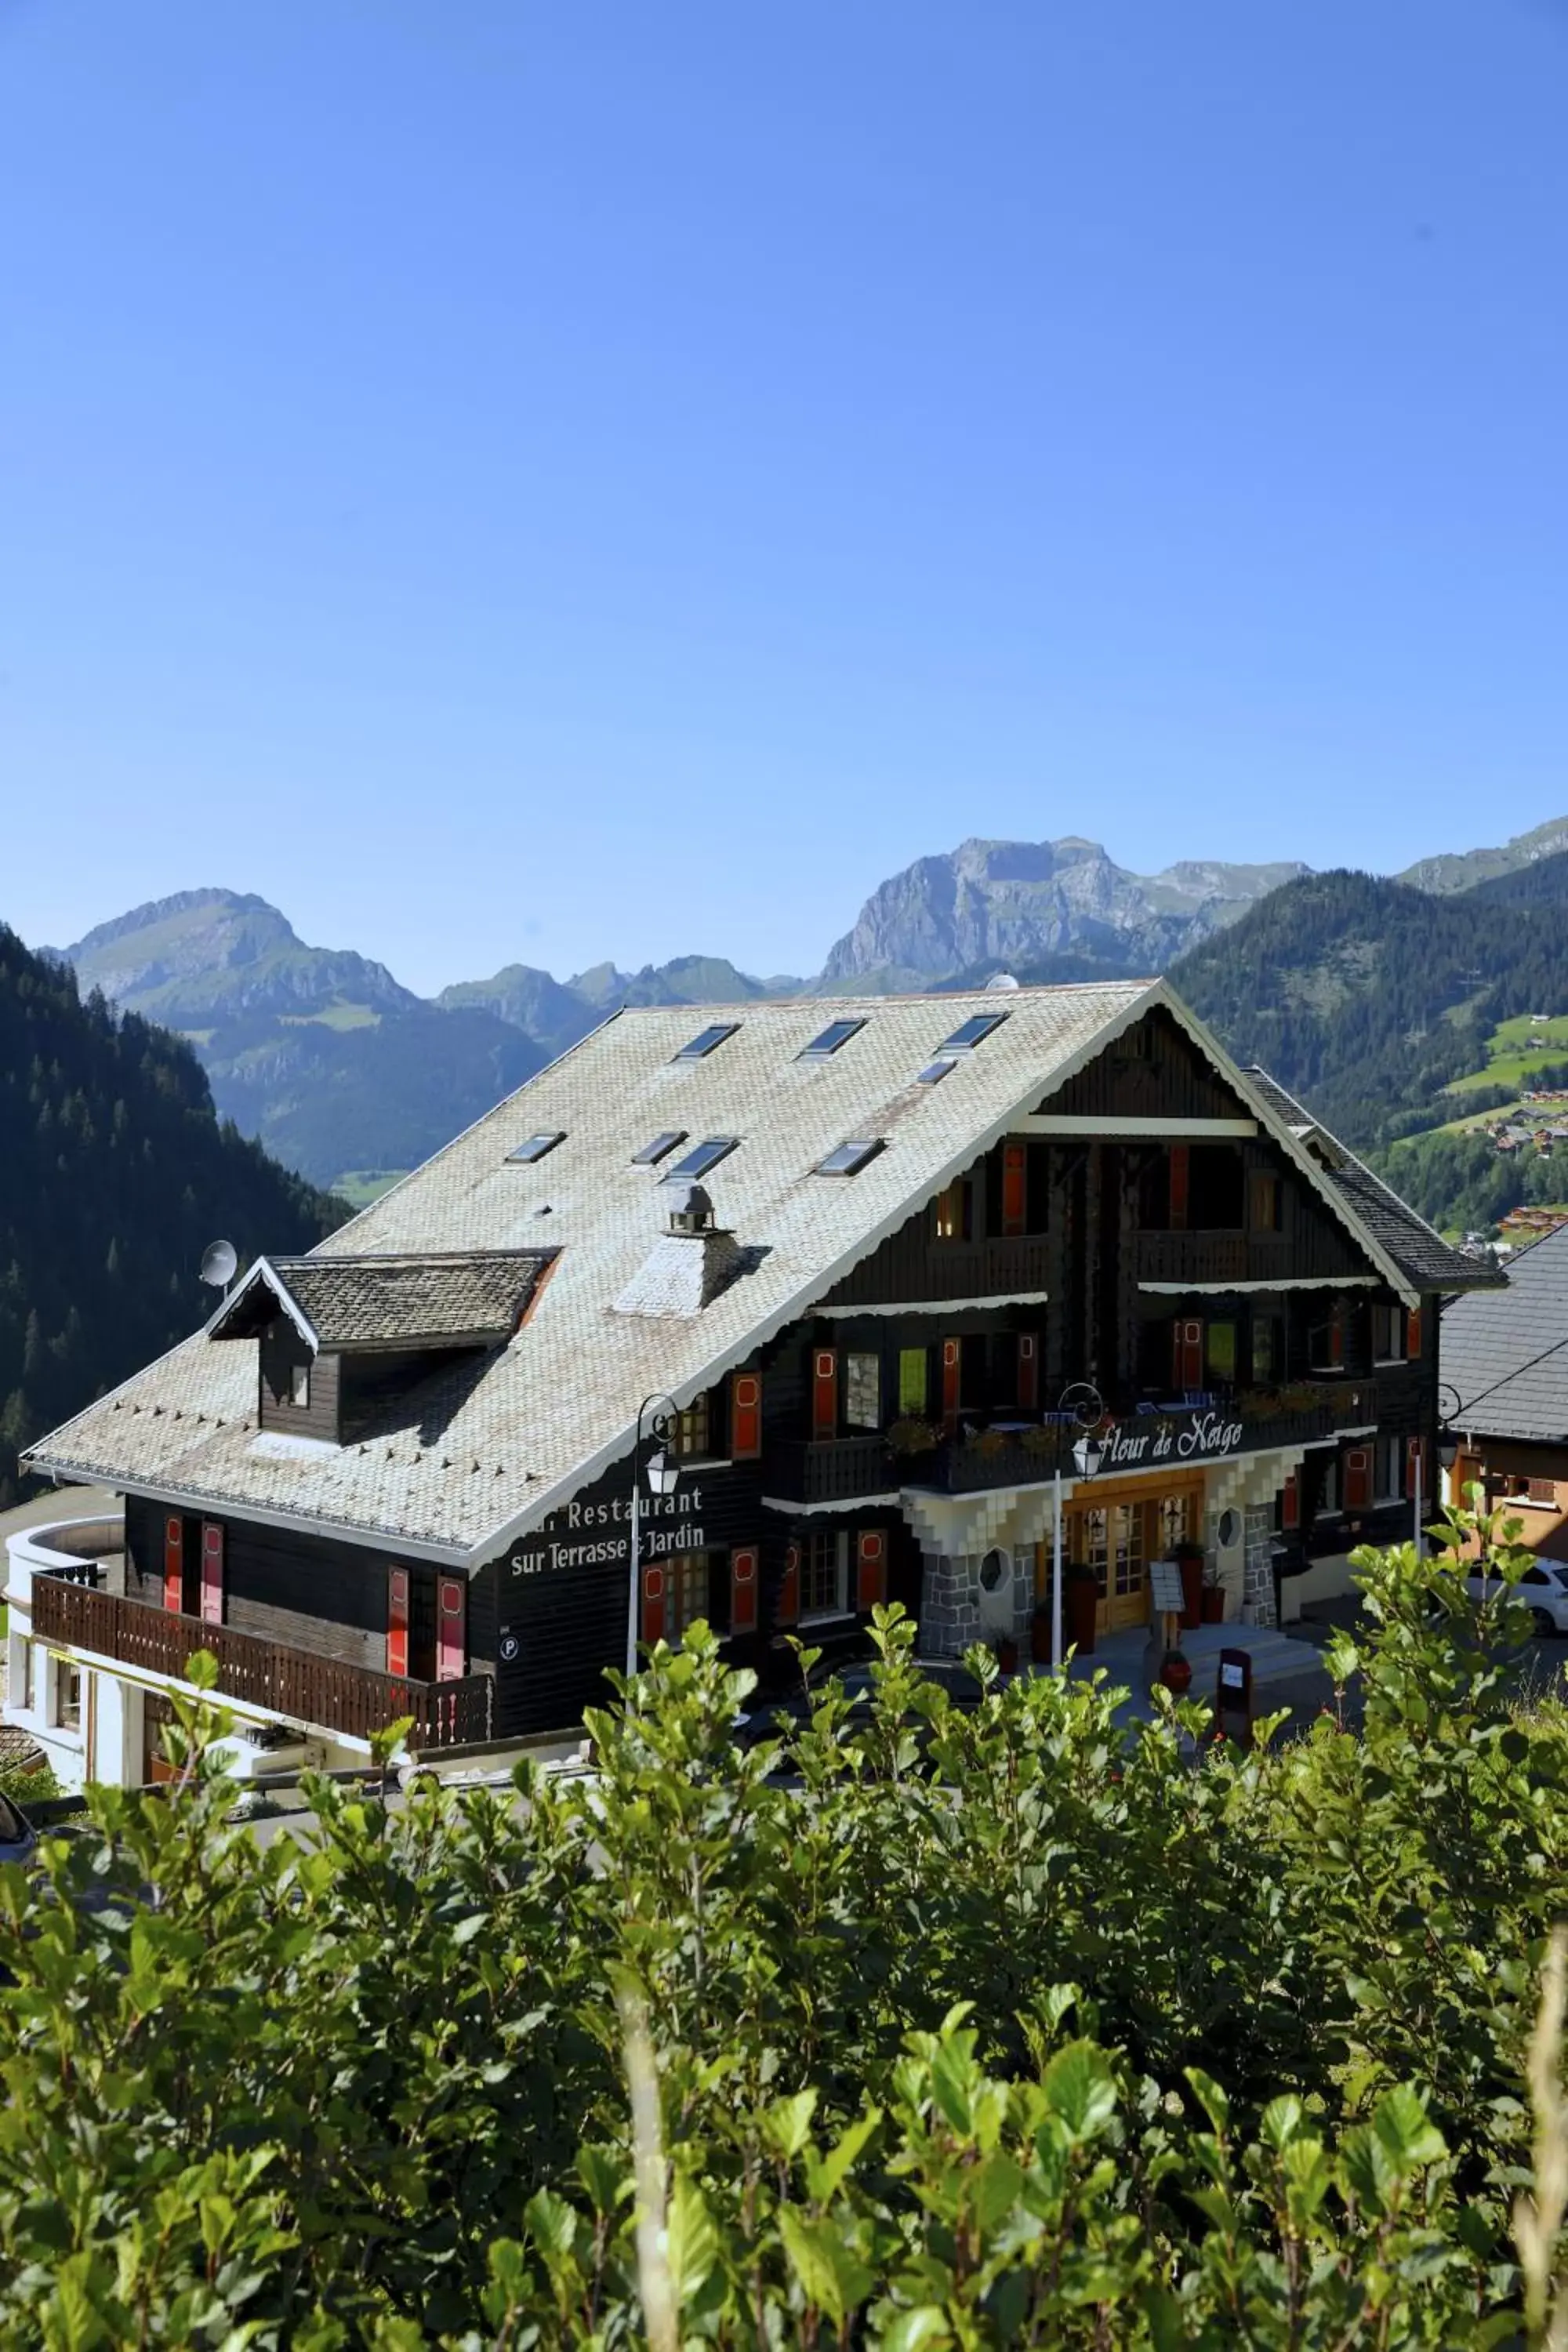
<point x="1117" y="1534"/>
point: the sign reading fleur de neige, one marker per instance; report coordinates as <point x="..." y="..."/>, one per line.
<point x="587" y="1534"/>
<point x="1206" y="1434"/>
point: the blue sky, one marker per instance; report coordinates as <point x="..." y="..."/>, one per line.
<point x="538" y="484"/>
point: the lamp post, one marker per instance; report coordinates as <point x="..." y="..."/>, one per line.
<point x="1450" y="1404"/>
<point x="1087" y="1409"/>
<point x="656" y="1418"/>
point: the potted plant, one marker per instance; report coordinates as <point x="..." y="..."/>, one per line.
<point x="1007" y="1653"/>
<point x="1040" y="1637"/>
<point x="1189" y="1558"/>
<point x="1177" y="1672"/>
<point x="1213" y="1595"/>
<point x="1082" y="1598"/>
<point x="988" y="1444"/>
<point x="913" y="1436"/>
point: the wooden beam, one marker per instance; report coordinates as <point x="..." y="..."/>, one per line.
<point x="1107" y="1128"/>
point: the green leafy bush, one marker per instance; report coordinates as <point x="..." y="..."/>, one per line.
<point x="915" y="2025"/>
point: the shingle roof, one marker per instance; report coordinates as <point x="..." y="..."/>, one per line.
<point x="386" y="1301"/>
<point x="1424" y="1257"/>
<point x="1506" y="1356"/>
<point x="471" y="1459"/>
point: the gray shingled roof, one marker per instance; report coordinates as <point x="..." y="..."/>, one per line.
<point x="387" y="1301"/>
<point x="1505" y="1355"/>
<point x="465" y="1467"/>
<point x="1429" y="1262"/>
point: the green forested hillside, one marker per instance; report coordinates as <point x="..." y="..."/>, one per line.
<point x="114" y="1175"/>
<point x="1367" y="998"/>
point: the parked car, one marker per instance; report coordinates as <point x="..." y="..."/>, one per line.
<point x="18" y="1840"/>
<point x="1544" y="1589"/>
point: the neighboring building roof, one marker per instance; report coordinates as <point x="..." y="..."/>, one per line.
<point x="1423" y="1256"/>
<point x="451" y="1296"/>
<point x="1506" y="1357"/>
<point x="476" y="1455"/>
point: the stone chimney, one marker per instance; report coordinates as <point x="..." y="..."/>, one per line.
<point x="688" y="1265"/>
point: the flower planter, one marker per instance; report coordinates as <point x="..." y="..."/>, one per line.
<point x="1176" y="1674"/>
<point x="1191" y="1563"/>
<point x="1214" y="1605"/>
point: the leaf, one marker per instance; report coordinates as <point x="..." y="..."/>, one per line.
<point x="831" y="2274"/>
<point x="1081" y="2089"/>
<point x="787" y="2123"/>
<point x="1405" y="2132"/>
<point x="825" y="2174"/>
<point x="914" y="2331"/>
<point x="691" y="2240"/>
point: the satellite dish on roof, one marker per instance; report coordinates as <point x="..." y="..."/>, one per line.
<point x="219" y="1260"/>
<point x="1000" y="980"/>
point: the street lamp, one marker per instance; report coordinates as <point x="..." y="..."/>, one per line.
<point x="1086" y="1406"/>
<point x="1447" y="1435"/>
<point x="657" y="1416"/>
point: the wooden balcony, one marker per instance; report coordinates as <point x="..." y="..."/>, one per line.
<point x="297" y="1685"/>
<point x="1217" y="1257"/>
<point x="831" y="1470"/>
<point x="913" y="1272"/>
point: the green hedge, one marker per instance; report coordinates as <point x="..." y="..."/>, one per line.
<point x="940" y="2027"/>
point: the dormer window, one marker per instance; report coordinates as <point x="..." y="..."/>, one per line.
<point x="706" y="1040"/>
<point x="535" y="1147"/>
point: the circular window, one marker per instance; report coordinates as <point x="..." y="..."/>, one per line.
<point x="993" y="1568"/>
<point x="1230" y="1529"/>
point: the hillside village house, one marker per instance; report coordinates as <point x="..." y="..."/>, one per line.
<point x="1505" y="1394"/>
<point x="395" y="1477"/>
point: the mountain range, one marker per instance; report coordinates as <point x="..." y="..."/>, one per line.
<point x="350" y="1077"/>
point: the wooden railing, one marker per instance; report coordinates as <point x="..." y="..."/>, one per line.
<point x="913" y="1270"/>
<point x="1215" y="1257"/>
<point x="830" y="1470"/>
<point x="296" y="1684"/>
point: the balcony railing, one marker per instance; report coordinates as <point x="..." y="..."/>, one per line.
<point x="831" y="1470"/>
<point x="1217" y="1257"/>
<point x="355" y="1701"/>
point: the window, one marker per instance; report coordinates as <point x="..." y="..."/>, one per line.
<point x="1221" y="1351"/>
<point x="1388" y="1335"/>
<point x="701" y="1157"/>
<point x="1330" y="1505"/>
<point x="972" y="1032"/>
<point x="1172" y="1522"/>
<point x="1265" y="1201"/>
<point x="912" y="1376"/>
<point x="863" y="1390"/>
<point x="659" y="1148"/>
<point x="849" y="1158"/>
<point x="825" y="1575"/>
<point x="300" y="1386"/>
<point x="686" y="1587"/>
<point x="693" y="1429"/>
<point x="1214" y="1193"/>
<point x="706" y="1040"/>
<point x="954" y="1213"/>
<point x="25" y="1689"/>
<point x="827" y="1041"/>
<point x="67" y="1695"/>
<point x="535" y="1147"/>
<point x="1388" y="1459"/>
<point x="1326" y="1344"/>
<point x="934" y="1073"/>
<point x="1268" y="1347"/>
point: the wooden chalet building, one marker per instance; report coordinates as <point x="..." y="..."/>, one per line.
<point x="394" y="1477"/>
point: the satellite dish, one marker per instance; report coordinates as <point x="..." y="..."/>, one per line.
<point x="219" y="1260"/>
<point x="1001" y="980"/>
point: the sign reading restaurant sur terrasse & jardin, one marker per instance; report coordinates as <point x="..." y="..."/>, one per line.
<point x="575" y="1537"/>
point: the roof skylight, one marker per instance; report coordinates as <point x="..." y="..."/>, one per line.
<point x="850" y="1158"/>
<point x="536" y="1147"/>
<point x="705" y="1039"/>
<point x="701" y="1157"/>
<point x="827" y="1041"/>
<point x="659" y="1148"/>
<point x="934" y="1072"/>
<point x="972" y="1032"/>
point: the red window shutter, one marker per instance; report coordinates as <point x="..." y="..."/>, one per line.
<point x="1413" y="1335"/>
<point x="824" y="1392"/>
<point x="744" y="1589"/>
<point x="1178" y="1188"/>
<point x="174" y="1565"/>
<point x="653" y="1603"/>
<point x="397" y="1620"/>
<point x="451" y="1623"/>
<point x="1015" y="1165"/>
<point x="745" y="1416"/>
<point x="788" y="1609"/>
<point x="1187" y="1354"/>
<point x="211" y="1573"/>
<point x="1358" y="1478"/>
<point x="1028" y="1371"/>
<point x="1291" y="1504"/>
<point x="871" y="1568"/>
<point x="951" y="1380"/>
<point x="1415" y="1469"/>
